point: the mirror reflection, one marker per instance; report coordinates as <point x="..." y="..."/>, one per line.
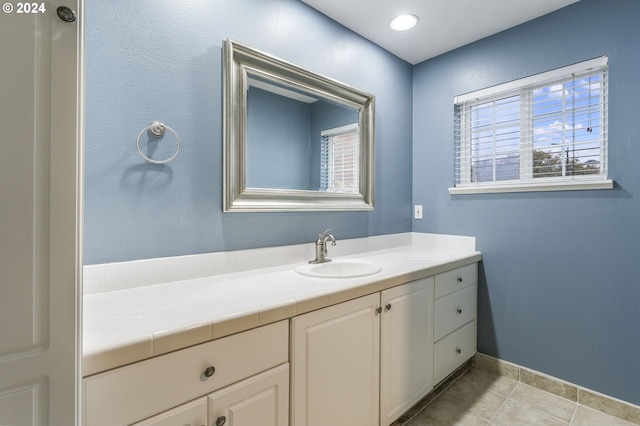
<point x="293" y="140"/>
<point x="297" y="141"/>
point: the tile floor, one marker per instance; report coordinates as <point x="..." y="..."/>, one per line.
<point x="482" y="398"/>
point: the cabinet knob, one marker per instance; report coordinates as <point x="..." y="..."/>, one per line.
<point x="378" y="310"/>
<point x="209" y="371"/>
<point x="458" y="350"/>
<point x="221" y="421"/>
<point x="388" y="307"/>
<point x="459" y="279"/>
<point x="459" y="310"/>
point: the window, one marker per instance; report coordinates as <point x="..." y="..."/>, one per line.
<point x="545" y="132"/>
<point x="340" y="165"/>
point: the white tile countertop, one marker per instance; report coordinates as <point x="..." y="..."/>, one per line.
<point x="125" y="326"/>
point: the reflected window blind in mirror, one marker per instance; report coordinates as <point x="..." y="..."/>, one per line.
<point x="340" y="160"/>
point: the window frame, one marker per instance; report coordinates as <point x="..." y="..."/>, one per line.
<point x="523" y="88"/>
<point x="327" y="169"/>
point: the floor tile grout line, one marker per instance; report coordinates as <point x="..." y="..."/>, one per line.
<point x="509" y="397"/>
<point x="519" y="377"/>
<point x="440" y="393"/>
<point x="506" y="398"/>
<point x="554" y="395"/>
<point x="575" y="410"/>
<point x="543" y="412"/>
<point x="586" y="407"/>
<point x="577" y="405"/>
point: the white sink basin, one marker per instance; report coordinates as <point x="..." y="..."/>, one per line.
<point x="339" y="269"/>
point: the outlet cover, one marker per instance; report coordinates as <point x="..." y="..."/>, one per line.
<point x="417" y="211"/>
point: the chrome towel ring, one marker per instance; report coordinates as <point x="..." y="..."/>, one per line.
<point x="157" y="130"/>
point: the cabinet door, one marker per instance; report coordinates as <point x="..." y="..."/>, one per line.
<point x="259" y="400"/>
<point x="193" y="413"/>
<point x="335" y="356"/>
<point x="406" y="347"/>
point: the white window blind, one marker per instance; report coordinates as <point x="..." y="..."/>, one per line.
<point x="544" y="132"/>
<point x="340" y="159"/>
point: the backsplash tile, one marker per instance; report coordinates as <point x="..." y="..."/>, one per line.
<point x="93" y="279"/>
<point x="204" y="265"/>
<point x="151" y="271"/>
<point x="138" y="273"/>
<point x="179" y="266"/>
<point x="454" y="242"/>
<point x="382" y="242"/>
<point x="120" y="276"/>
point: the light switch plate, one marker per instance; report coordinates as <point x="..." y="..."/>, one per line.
<point x="417" y="211"/>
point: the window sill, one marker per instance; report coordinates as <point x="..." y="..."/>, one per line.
<point x="573" y="185"/>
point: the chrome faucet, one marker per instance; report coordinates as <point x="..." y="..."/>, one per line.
<point x="321" y="247"/>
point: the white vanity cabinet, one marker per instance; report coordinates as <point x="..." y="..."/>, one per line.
<point x="406" y="347"/>
<point x="260" y="400"/>
<point x="335" y="355"/>
<point x="363" y="362"/>
<point x="254" y="362"/>
<point x="190" y="414"/>
<point x="455" y="330"/>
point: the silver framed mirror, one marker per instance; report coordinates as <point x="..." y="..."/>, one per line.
<point x="292" y="139"/>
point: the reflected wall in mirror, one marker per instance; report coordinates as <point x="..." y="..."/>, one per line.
<point x="293" y="140"/>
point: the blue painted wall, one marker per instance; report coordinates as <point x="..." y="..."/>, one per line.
<point x="560" y="283"/>
<point x="161" y="60"/>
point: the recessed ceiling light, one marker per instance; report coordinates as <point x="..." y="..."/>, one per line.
<point x="404" y="22"/>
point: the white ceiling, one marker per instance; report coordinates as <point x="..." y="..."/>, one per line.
<point x="444" y="24"/>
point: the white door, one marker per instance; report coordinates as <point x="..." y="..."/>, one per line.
<point x="40" y="171"/>
<point x="406" y="355"/>
<point x="335" y="357"/>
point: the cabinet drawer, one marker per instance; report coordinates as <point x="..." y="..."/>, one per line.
<point x="454" y="310"/>
<point x="453" y="351"/>
<point x="192" y="413"/>
<point x="456" y="279"/>
<point x="139" y="390"/>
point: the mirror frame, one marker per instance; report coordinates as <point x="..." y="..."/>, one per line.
<point x="240" y="60"/>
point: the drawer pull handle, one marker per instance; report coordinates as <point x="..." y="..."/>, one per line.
<point x="221" y="421"/>
<point x="378" y="310"/>
<point x="459" y="279"/>
<point x="459" y="310"/>
<point x="458" y="350"/>
<point x="388" y="307"/>
<point x="209" y="371"/>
